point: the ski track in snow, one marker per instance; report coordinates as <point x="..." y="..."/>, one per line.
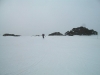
<point x="54" y="55"/>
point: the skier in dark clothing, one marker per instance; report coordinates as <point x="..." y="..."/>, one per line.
<point x="43" y="35"/>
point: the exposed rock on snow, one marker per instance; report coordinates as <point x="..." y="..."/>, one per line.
<point x="81" y="31"/>
<point x="56" y="33"/>
<point x="10" y="34"/>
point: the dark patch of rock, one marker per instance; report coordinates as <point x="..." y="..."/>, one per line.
<point x="56" y="34"/>
<point x="81" y="31"/>
<point x="10" y="34"/>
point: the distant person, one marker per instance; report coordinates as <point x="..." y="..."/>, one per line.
<point x="43" y="35"/>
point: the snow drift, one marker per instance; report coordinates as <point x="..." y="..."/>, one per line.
<point x="54" y="55"/>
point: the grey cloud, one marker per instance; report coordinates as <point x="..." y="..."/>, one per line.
<point x="37" y="17"/>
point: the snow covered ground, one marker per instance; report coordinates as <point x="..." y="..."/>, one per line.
<point x="54" y="55"/>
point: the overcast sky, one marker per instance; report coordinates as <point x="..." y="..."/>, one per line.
<point x="32" y="17"/>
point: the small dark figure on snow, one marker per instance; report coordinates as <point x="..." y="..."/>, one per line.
<point x="43" y="35"/>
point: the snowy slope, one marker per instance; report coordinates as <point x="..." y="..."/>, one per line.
<point x="54" y="55"/>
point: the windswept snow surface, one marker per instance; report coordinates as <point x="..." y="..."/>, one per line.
<point x="54" y="55"/>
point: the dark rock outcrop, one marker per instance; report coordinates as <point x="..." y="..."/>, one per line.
<point x="10" y="34"/>
<point x="81" y="31"/>
<point x="56" y="34"/>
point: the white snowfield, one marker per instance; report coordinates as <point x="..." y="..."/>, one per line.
<point x="54" y="55"/>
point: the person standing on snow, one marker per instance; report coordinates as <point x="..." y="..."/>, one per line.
<point x="43" y="35"/>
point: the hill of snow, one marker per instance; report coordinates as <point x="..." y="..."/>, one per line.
<point x="54" y="55"/>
